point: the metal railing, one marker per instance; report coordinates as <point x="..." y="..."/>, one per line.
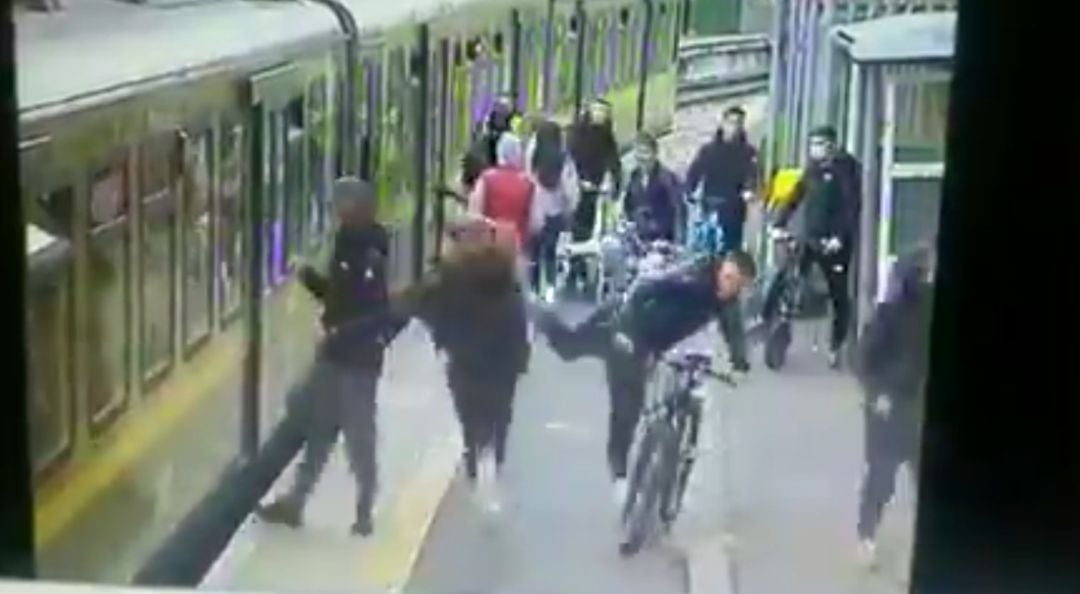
<point x="714" y="68"/>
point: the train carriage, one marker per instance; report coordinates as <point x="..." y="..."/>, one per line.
<point x="175" y="167"/>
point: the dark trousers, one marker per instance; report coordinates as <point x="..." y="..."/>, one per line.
<point x="544" y="264"/>
<point x="484" y="404"/>
<point x="835" y="268"/>
<point x="336" y="398"/>
<point x="889" y="442"/>
<point x="626" y="377"/>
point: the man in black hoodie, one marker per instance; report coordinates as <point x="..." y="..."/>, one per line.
<point x="830" y="193"/>
<point x="893" y="365"/>
<point x="726" y="168"/>
<point x="339" y="392"/>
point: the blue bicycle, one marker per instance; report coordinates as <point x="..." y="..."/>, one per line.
<point x="706" y="236"/>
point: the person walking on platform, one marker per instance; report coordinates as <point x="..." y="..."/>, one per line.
<point x="830" y="193"/>
<point x="556" y="182"/>
<point x="725" y="172"/>
<point x="339" y="392"/>
<point x="507" y="195"/>
<point x="654" y="197"/>
<point x="502" y="118"/>
<point x="892" y="368"/>
<point x="596" y="157"/>
<point x="474" y="305"/>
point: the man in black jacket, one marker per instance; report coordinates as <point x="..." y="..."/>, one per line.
<point x="726" y="168"/>
<point x="657" y="315"/>
<point x="830" y="194"/>
<point x="339" y="392"/>
<point x="893" y="365"/>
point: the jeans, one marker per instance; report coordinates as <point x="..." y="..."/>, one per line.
<point x="336" y="398"/>
<point x="544" y="267"/>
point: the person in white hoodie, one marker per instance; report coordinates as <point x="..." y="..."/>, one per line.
<point x="556" y="181"/>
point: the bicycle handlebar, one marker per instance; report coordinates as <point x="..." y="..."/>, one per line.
<point x="699" y="362"/>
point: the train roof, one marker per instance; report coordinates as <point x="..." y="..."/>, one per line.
<point x="900" y="38"/>
<point x="94" y="46"/>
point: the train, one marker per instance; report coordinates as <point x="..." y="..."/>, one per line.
<point x="175" y="160"/>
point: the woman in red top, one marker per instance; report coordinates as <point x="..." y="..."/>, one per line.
<point x="505" y="193"/>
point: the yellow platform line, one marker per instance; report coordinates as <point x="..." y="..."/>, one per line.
<point x="390" y="563"/>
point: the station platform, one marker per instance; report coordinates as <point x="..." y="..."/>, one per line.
<point x="771" y="506"/>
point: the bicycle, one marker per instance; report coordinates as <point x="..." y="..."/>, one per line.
<point x="666" y="450"/>
<point x="791" y="300"/>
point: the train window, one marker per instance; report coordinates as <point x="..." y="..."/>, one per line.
<point x="156" y="254"/>
<point x="474" y="49"/>
<point x="231" y="226"/>
<point x="322" y="129"/>
<point x="497" y="43"/>
<point x="273" y="200"/>
<point x="49" y="338"/>
<point x="624" y="17"/>
<point x="197" y="250"/>
<point x="295" y="196"/>
<point x="458" y="54"/>
<point x="573" y="27"/>
<point x="109" y="300"/>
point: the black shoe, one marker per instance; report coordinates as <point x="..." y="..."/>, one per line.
<point x="280" y="512"/>
<point x="362" y="526"/>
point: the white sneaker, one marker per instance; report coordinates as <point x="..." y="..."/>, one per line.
<point x="488" y="483"/>
<point x="867" y="554"/>
<point x="549" y="294"/>
<point x="619" y="492"/>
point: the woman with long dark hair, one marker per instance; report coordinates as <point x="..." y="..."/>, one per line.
<point x="555" y="178"/>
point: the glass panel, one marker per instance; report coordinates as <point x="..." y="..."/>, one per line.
<point x="156" y="284"/>
<point x="319" y="140"/>
<point x="231" y="221"/>
<point x="108" y="298"/>
<point x="198" y="255"/>
<point x="922" y="111"/>
<point x="916" y="208"/>
<point x="156" y="246"/>
<point x="295" y="195"/>
<point x="49" y="334"/>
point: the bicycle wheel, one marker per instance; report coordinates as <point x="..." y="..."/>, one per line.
<point x="776" y="345"/>
<point x="672" y="501"/>
<point x="652" y="475"/>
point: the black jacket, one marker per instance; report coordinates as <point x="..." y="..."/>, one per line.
<point x="830" y="193"/>
<point x="727" y="168"/>
<point x="595" y="152"/>
<point x="656" y="209"/>
<point x="663" y="312"/>
<point x="895" y="347"/>
<point x="474" y="307"/>
<point x="354" y="297"/>
<point x="480" y="156"/>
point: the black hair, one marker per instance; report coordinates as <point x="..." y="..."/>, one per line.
<point x="743" y="261"/>
<point x="825" y="133"/>
<point x="549" y="156"/>
<point x="735" y="110"/>
<point x="648" y="140"/>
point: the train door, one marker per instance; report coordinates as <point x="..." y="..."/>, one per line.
<point x="439" y="142"/>
<point x="278" y="346"/>
<point x="423" y="108"/>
